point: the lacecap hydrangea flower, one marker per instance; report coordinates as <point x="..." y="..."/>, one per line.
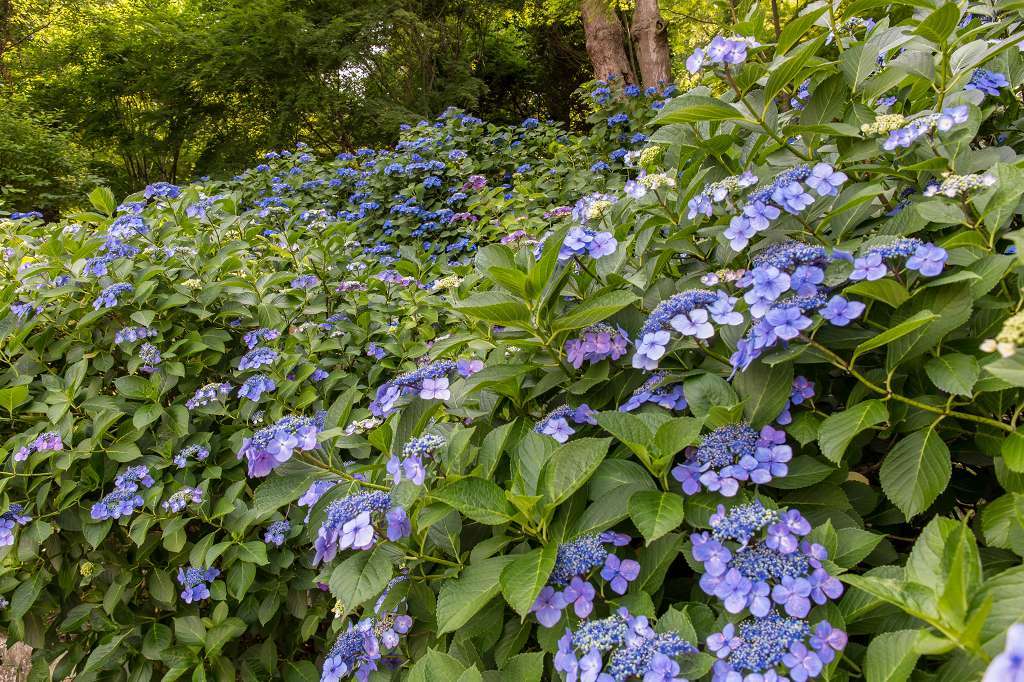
<point x="690" y="313"/>
<point x="669" y="396"/>
<point x="350" y="524"/>
<point x="772" y="648"/>
<point x="412" y="467"/>
<point x="429" y="382"/>
<point x="49" y="440"/>
<point x="618" y="648"/>
<point x="731" y="455"/>
<point x="277" y="532"/>
<point x="556" y="422"/>
<point x="596" y="343"/>
<point x="181" y="499"/>
<point x="195" y="451"/>
<point x="208" y="394"/>
<point x="720" y="51"/>
<point x="9" y="520"/>
<point x="273" y="445"/>
<point x="1008" y="665"/>
<point x="193" y="581"/>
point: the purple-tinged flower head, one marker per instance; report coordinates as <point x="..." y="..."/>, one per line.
<point x="620" y="647"/>
<point x="48" y="440"/>
<point x="731" y="455"/>
<point x="556" y="422"/>
<point x="133" y="334"/>
<point x="117" y="504"/>
<point x="313" y="494"/>
<point x="134" y="476"/>
<point x="273" y="445"/>
<point x="255" y="386"/>
<point x="580" y="595"/>
<point x="349" y="524"/>
<point x="318" y="375"/>
<point x="430" y="382"/>
<point x="652" y="391"/>
<point x="788" y="314"/>
<point x="803" y="389"/>
<point x="784" y="267"/>
<point x="358" y="651"/>
<point x="591" y="208"/>
<point x="928" y="259"/>
<point x="619" y="573"/>
<point x="922" y="125"/>
<point x="108" y="297"/>
<point x="305" y="282"/>
<point x="375" y="351"/>
<point x="717" y="192"/>
<point x="208" y="394"/>
<point x="988" y="82"/>
<point x="1008" y="665"/>
<point x="181" y="499"/>
<point x="580" y="241"/>
<point x="720" y="51"/>
<point x="826" y="180"/>
<point x="548" y="606"/>
<point x="254" y="337"/>
<point x="766" y="648"/>
<point x="194" y="580"/>
<point x="690" y="313"/>
<point x="9" y="520"/>
<point x="277" y="532"/>
<point x="150" y="357"/>
<point x="842" y="312"/>
<point x="257" y="357"/>
<point x="467" y="367"/>
<point x="195" y="451"/>
<point x="792" y="197"/>
<point x="162" y="190"/>
<point x="412" y="467"/>
<point x="596" y="343"/>
<point x="577" y="558"/>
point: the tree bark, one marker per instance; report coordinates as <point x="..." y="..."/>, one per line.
<point x="651" y="35"/>
<point x="605" y="44"/>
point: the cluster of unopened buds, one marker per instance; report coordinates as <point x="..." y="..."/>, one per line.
<point x="360" y="426"/>
<point x="648" y="182"/>
<point x="181" y="499"/>
<point x="1009" y="338"/>
<point x="959" y="185"/>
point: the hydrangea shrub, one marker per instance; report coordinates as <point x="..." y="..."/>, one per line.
<point x="727" y="389"/>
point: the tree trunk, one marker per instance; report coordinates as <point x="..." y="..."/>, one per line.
<point x="651" y="35"/>
<point x="605" y="44"/>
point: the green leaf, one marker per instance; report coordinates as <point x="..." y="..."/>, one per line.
<point x="1012" y="451"/>
<point x="853" y="544"/>
<point x="495" y="307"/>
<point x="103" y="200"/>
<point x="478" y="499"/>
<point x="915" y="471"/>
<point x="888" y="291"/>
<point x="524" y="578"/>
<point x="795" y="29"/>
<point x="593" y="310"/>
<point x="1010" y="370"/>
<point x="765" y="391"/>
<point x="891" y="656"/>
<point x="460" y="599"/>
<point x="570" y="466"/>
<point x="699" y="108"/>
<point x="527" y="667"/>
<point x="106" y="649"/>
<point x="361" y="577"/>
<point x="11" y="398"/>
<point x="937" y="25"/>
<point x="953" y="373"/>
<point x="435" y="666"/>
<point x="837" y="430"/>
<point x="655" y="513"/>
<point x="253" y="552"/>
<point x="189" y="630"/>
<point x="675" y="434"/>
<point x="889" y="335"/>
<point x="789" y="70"/>
<point x="146" y="415"/>
<point x="629" y="429"/>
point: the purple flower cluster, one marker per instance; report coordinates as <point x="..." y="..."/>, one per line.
<point x="208" y="394"/>
<point x="313" y="494"/>
<point x="357" y="651"/>
<point x="254" y="337"/>
<point x="133" y="334"/>
<point x="596" y="343"/>
<point x="556" y="422"/>
<point x="108" y="297"/>
<point x="150" y="357"/>
<point x="9" y="520"/>
<point x="181" y="499"/>
<point x="276" y="532"/>
<point x="784" y="321"/>
<point x="349" y="524"/>
<point x="257" y="357"/>
<point x="772" y="647"/>
<point x="49" y="440"/>
<point x="781" y="268"/>
<point x="133" y="477"/>
<point x="273" y="445"/>
<point x="580" y="241"/>
<point x="785" y="193"/>
<point x="125" y="497"/>
<point x="194" y="580"/>
<point x="803" y="389"/>
<point x="652" y="391"/>
<point x="925" y="258"/>
<point x="574" y="562"/>
<point x="620" y="647"/>
<point x="690" y="313"/>
<point x="195" y="451"/>
<point x="988" y="82"/>
<point x="430" y="382"/>
<point x="754" y="559"/>
<point x="717" y="192"/>
<point x="720" y="51"/>
<point x="414" y="452"/>
<point x="255" y="386"/>
<point x="906" y="136"/>
<point x="733" y="454"/>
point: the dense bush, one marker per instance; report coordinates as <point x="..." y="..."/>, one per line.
<point x="727" y="389"/>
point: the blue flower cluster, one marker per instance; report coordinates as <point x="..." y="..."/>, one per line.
<point x="580" y="241"/>
<point x="108" y="297"/>
<point x="194" y="580"/>
<point x="802" y="390"/>
<point x="255" y="386"/>
<point x="785" y="193"/>
<point x="754" y="559"/>
<point x="429" y="382"/>
<point x="573" y="563"/>
<point x="618" y="648"/>
<point x="652" y="391"/>
<point x="253" y="338"/>
<point x="596" y="343"/>
<point x="133" y="334"/>
<point x="720" y="51"/>
<point x="195" y="451"/>
<point x="988" y="82"/>
<point x="925" y="258"/>
<point x="208" y="394"/>
<point x="717" y="192"/>
<point x="733" y="454"/>
<point x="781" y="268"/>
<point x="9" y="520"/>
<point x="181" y="499"/>
<point x="349" y="524"/>
<point x="358" y="650"/>
<point x="273" y="445"/>
<point x="556" y="422"/>
<point x="415" y="451"/>
<point x="149" y="355"/>
<point x="277" y="532"/>
<point x="257" y="357"/>
<point x="906" y="135"/>
<point x="125" y="498"/>
<point x="313" y="494"/>
<point x="769" y="648"/>
<point x="48" y="440"/>
<point x="690" y="313"/>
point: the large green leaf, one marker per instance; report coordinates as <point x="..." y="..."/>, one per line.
<point x="837" y="430"/>
<point x="524" y="578"/>
<point x="889" y="335"/>
<point x="765" y="391"/>
<point x="655" y="513"/>
<point x="478" y="499"/>
<point x="495" y="307"/>
<point x="699" y="108"/>
<point x="953" y="372"/>
<point x="891" y="656"/>
<point x="460" y="599"/>
<point x="915" y="471"/>
<point x="570" y="466"/>
<point x="361" y="577"/>
<point x="593" y="310"/>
